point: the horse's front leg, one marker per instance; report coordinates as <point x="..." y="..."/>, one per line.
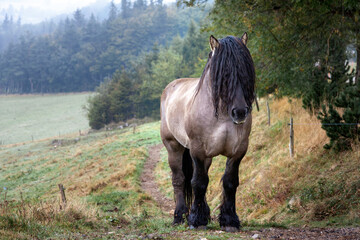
<point x="200" y="211"/>
<point x="228" y="219"/>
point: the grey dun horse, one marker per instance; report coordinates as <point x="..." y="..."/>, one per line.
<point x="206" y="117"/>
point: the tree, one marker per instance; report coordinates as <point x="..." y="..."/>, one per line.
<point x="195" y="48"/>
<point x="125" y="8"/>
<point x="112" y="12"/>
<point x="296" y="45"/>
<point x="79" y="18"/>
<point x="6" y="25"/>
<point x="98" y="111"/>
<point x="121" y="107"/>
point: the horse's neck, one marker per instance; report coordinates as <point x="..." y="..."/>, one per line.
<point x="205" y="89"/>
<point x="203" y="102"/>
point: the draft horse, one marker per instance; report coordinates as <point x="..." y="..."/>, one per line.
<point x="206" y="117"/>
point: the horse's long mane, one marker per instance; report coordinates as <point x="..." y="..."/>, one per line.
<point x="230" y="65"/>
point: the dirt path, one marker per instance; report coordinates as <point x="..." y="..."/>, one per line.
<point x="148" y="182"/>
<point x="307" y="233"/>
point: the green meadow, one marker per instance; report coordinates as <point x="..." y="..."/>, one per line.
<point x="26" y="118"/>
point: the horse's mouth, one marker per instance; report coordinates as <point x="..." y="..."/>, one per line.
<point x="238" y="122"/>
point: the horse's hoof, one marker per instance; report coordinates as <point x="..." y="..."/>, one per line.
<point x="197" y="228"/>
<point x="230" y="229"/>
<point x="177" y="222"/>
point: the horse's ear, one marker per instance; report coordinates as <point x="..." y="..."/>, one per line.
<point x="214" y="43"/>
<point x="244" y="38"/>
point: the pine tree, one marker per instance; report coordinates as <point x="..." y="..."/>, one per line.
<point x="113" y="12"/>
<point x="79" y="18"/>
<point x="342" y="123"/>
<point x="125" y="9"/>
<point x="121" y="107"/>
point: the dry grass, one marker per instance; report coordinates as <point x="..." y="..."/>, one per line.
<point x="20" y="219"/>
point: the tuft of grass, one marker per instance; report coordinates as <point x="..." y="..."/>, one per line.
<point x="22" y="219"/>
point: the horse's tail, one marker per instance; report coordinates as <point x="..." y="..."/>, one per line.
<point x="187" y="169"/>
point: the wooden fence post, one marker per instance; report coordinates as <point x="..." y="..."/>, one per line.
<point x="62" y="193"/>
<point x="257" y="104"/>
<point x="268" y="111"/>
<point x="291" y="144"/>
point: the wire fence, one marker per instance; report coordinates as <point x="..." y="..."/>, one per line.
<point x="292" y="124"/>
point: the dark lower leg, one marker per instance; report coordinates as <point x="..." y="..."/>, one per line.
<point x="180" y="210"/>
<point x="200" y="212"/>
<point x="228" y="216"/>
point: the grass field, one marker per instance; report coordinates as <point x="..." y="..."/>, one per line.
<point x="101" y="173"/>
<point x="32" y="117"/>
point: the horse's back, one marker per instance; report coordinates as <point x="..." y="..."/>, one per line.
<point x="182" y="84"/>
<point x="175" y="100"/>
<point x="179" y="89"/>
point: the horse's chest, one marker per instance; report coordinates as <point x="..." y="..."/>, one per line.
<point x="220" y="140"/>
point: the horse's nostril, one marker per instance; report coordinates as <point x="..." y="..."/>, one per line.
<point x="233" y="112"/>
<point x="239" y="112"/>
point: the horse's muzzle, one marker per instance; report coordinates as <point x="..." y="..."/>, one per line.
<point x="238" y="115"/>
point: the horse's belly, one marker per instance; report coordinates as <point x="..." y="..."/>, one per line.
<point x="176" y="123"/>
<point x="180" y="135"/>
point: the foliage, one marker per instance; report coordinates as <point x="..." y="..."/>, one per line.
<point x="299" y="48"/>
<point x="79" y="52"/>
<point x="342" y="126"/>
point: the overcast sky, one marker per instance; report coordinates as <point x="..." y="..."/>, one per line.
<point x="34" y="11"/>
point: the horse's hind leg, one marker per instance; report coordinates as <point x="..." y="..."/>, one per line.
<point x="175" y="159"/>
<point x="229" y="221"/>
<point x="200" y="212"/>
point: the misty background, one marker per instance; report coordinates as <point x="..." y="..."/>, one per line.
<point x="37" y="11"/>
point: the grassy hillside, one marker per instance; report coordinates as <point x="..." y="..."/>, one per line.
<point x="101" y="173"/>
<point x="28" y="117"/>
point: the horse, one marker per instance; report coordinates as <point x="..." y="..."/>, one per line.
<point x="205" y="117"/>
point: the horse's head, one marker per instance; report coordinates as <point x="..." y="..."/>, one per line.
<point x="232" y="76"/>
